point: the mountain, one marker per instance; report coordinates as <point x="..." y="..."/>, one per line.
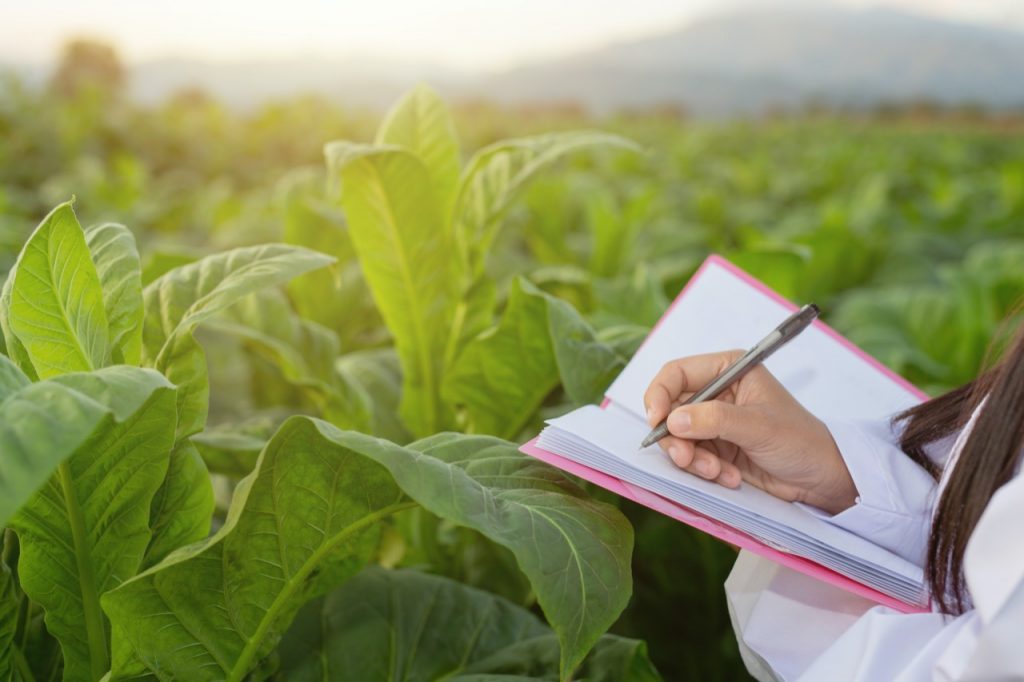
<point x="746" y="62"/>
<point x="755" y="60"/>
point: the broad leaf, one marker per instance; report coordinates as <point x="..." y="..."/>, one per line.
<point x="575" y="551"/>
<point x="302" y="350"/>
<point x="40" y="426"/>
<point x="306" y="519"/>
<point x="316" y="222"/>
<point x="396" y="224"/>
<point x="369" y="392"/>
<point x="421" y="123"/>
<point x="8" y="621"/>
<point x="496" y="174"/>
<point x="117" y="263"/>
<point x="184" y="297"/>
<point x="86" y="530"/>
<point x="183" y="505"/>
<point x="294" y="530"/>
<point x="613" y="659"/>
<point x="12" y="379"/>
<point x="231" y="453"/>
<point x="410" y="626"/>
<point x="503" y="376"/>
<point x="51" y="308"/>
<point x="402" y="625"/>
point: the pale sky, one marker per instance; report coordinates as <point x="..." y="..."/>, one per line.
<point x="463" y="34"/>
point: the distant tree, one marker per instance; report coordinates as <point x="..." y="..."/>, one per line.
<point x="88" y="66"/>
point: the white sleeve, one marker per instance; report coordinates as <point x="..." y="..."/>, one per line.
<point x="796" y="628"/>
<point x="894" y="502"/>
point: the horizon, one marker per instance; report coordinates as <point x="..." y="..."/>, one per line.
<point x="420" y="37"/>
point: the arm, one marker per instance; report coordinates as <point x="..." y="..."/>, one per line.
<point x="796" y="628"/>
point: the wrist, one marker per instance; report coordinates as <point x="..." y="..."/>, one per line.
<point x="835" y="490"/>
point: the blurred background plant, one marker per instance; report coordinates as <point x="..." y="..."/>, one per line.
<point x="903" y="221"/>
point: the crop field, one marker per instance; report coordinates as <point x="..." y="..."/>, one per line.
<point x="264" y="374"/>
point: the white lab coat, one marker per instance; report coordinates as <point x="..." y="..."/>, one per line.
<point x="792" y="627"/>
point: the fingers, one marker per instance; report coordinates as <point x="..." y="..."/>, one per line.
<point x="700" y="461"/>
<point x="682" y="376"/>
<point x="746" y="427"/>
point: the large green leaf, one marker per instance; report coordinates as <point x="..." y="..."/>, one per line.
<point x="305" y="520"/>
<point x="368" y="395"/>
<point x="302" y="350"/>
<point x="503" y="376"/>
<point x="336" y="297"/>
<point x="117" y="263"/>
<point x="421" y="123"/>
<point x="181" y="299"/>
<point x="396" y="224"/>
<point x="496" y="175"/>
<point x="183" y="505"/>
<point x="613" y="659"/>
<point x="51" y="308"/>
<point x="404" y="626"/>
<point x="575" y="551"/>
<point x="8" y="621"/>
<point x="86" y="530"/>
<point x="409" y="626"/>
<point x="301" y="523"/>
<point x="12" y="379"/>
<point x="40" y="426"/>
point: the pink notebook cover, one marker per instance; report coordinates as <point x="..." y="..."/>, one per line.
<point x="707" y="524"/>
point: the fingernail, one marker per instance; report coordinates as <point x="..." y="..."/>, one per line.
<point x="647" y="413"/>
<point x="680" y="423"/>
<point x="704" y="467"/>
<point x="674" y="453"/>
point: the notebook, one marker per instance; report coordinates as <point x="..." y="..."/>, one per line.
<point x="722" y="308"/>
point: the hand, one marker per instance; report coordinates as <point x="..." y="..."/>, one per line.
<point x="755" y="432"/>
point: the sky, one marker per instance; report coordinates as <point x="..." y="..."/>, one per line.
<point x="466" y="35"/>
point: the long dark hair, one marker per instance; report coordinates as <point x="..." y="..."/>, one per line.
<point x="987" y="461"/>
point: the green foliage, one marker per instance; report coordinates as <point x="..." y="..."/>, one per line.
<point x="51" y="307"/>
<point x="113" y="251"/>
<point x="406" y="625"/>
<point x="504" y="375"/>
<point x="304" y="521"/>
<point x="88" y="527"/>
<point x="308" y="517"/>
<point x="422" y="232"/>
<point x="8" y="621"/>
<point x="455" y="285"/>
<point x="396" y="224"/>
<point x="181" y="299"/>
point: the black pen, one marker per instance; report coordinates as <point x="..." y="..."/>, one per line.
<point x="779" y="337"/>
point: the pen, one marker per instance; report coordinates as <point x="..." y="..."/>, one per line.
<point x="779" y="337"/>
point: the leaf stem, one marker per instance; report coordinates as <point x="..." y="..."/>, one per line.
<point x="245" y="659"/>
<point x="95" y="628"/>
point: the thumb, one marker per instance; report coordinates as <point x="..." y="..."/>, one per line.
<point x="744" y="426"/>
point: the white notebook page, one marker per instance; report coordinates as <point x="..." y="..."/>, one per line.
<point x="721" y="311"/>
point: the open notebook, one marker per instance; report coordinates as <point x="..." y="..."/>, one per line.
<point x="721" y="308"/>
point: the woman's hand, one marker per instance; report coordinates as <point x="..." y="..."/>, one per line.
<point x="755" y="431"/>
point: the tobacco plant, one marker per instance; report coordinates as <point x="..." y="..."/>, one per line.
<point x="109" y="569"/>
